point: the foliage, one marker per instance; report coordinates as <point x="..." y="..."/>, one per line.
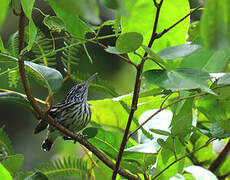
<point x="181" y="104"/>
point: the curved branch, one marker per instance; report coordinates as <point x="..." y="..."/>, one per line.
<point x="44" y="116"/>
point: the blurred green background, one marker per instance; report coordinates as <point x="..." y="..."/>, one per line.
<point x="19" y="122"/>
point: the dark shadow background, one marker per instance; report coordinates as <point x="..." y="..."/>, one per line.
<point x="19" y="122"/>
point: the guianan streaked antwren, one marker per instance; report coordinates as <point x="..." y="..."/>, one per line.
<point x="73" y="113"/>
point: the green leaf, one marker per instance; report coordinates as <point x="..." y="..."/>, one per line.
<point x="215" y="24"/>
<point x="73" y="23"/>
<point x="200" y="173"/>
<point x="108" y="142"/>
<point x="52" y="79"/>
<point x="224" y="80"/>
<point x="129" y="42"/>
<point x="161" y="132"/>
<point x="22" y="175"/>
<point x="207" y="60"/>
<point x="194" y="30"/>
<point x="166" y="157"/>
<point x="141" y="18"/>
<point x="205" y="155"/>
<point x="155" y="57"/>
<point x="165" y="144"/>
<point x="54" y="23"/>
<point x="3" y="12"/>
<point x="27" y="6"/>
<point x="90" y="132"/>
<point x="48" y="77"/>
<point x="112" y="50"/>
<point x="113" y="4"/>
<point x="101" y="171"/>
<point x="161" y="122"/>
<point x="224" y="168"/>
<point x="179" y="51"/>
<point x="182" y="121"/>
<point x="179" y="79"/>
<point x="2" y="48"/>
<point x="5" y="142"/>
<point x="14" y="97"/>
<point x="13" y="163"/>
<point x="113" y="108"/>
<point x="216" y="110"/>
<point x="69" y="167"/>
<point x="4" y="173"/>
<point x="37" y="176"/>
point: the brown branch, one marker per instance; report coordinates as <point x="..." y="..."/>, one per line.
<point x="220" y="158"/>
<point x="166" y="30"/>
<point x="136" y="94"/>
<point x="44" y="116"/>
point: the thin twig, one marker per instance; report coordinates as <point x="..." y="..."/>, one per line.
<point x="135" y="95"/>
<point x="166" y="30"/>
<point x="182" y="157"/>
<point x="48" y="118"/>
<point x="163" y="108"/>
<point x="220" y="158"/>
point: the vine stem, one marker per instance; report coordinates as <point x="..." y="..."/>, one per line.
<point x="44" y="116"/>
<point x="182" y="157"/>
<point x="136" y="93"/>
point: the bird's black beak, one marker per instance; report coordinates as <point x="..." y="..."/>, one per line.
<point x="91" y="79"/>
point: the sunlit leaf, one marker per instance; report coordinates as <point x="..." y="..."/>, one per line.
<point x="13" y="163"/>
<point x="143" y="23"/>
<point x="4" y="173"/>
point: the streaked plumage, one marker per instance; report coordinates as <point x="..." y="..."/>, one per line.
<point x="73" y="113"/>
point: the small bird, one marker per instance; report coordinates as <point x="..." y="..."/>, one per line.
<point x="73" y="113"/>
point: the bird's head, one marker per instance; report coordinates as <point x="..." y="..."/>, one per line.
<point x="80" y="91"/>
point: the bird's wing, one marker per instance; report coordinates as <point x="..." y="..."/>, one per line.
<point x="55" y="110"/>
<point x="42" y="125"/>
<point x="60" y="107"/>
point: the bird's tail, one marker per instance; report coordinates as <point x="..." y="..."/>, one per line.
<point x="47" y="144"/>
